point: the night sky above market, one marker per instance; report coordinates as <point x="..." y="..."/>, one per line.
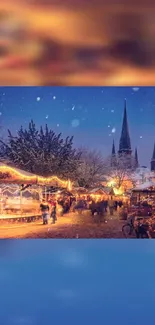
<point x="93" y="115"/>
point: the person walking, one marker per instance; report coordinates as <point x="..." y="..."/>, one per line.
<point x="44" y="207"/>
<point x="54" y="214"/>
<point x="45" y="217"/>
<point x="111" y="207"/>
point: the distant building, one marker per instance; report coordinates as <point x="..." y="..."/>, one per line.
<point x="153" y="160"/>
<point x="125" y="144"/>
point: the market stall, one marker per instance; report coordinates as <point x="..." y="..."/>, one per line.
<point x="80" y="192"/>
<point x="21" y="192"/>
<point x="98" y="194"/>
<point x="144" y="192"/>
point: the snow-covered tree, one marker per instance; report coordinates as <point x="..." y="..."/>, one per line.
<point x="42" y="152"/>
<point x="121" y="170"/>
<point x="91" y="168"/>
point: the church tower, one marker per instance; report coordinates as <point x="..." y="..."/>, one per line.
<point x="153" y="160"/>
<point x="136" y="159"/>
<point x="113" y="155"/>
<point x="125" y="143"/>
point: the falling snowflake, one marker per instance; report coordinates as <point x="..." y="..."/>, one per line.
<point x="141" y="137"/>
<point x="47" y="116"/>
<point x="112" y="111"/>
<point x="58" y="125"/>
<point x="108" y="126"/>
<point x="135" y="88"/>
<point x="113" y="130"/>
<point x="75" y="123"/>
<point x="0" y="113"/>
<point x="54" y="97"/>
<point x="38" y="99"/>
<point x="102" y="108"/>
<point x="73" y="108"/>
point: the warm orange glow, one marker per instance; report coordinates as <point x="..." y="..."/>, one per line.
<point x="69" y="185"/>
<point x="118" y="191"/>
<point x="111" y="183"/>
<point x="19" y="177"/>
<point x="16" y="175"/>
<point x="48" y="180"/>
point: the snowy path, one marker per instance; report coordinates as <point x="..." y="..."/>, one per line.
<point x="69" y="226"/>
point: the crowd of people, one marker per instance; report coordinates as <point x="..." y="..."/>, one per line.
<point x="53" y="207"/>
<point x="58" y="207"/>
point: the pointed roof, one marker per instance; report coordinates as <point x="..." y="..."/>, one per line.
<point x="153" y="156"/>
<point x="125" y="144"/>
<point x="136" y="158"/>
<point x="113" y="149"/>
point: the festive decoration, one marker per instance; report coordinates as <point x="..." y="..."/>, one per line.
<point x="14" y="175"/>
<point x="17" y="176"/>
<point x="53" y="180"/>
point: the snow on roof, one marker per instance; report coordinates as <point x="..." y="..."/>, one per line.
<point x="145" y="185"/>
<point x="19" y="171"/>
<point x="97" y="189"/>
<point x="142" y="173"/>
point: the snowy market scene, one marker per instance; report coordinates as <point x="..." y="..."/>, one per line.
<point x="76" y="166"/>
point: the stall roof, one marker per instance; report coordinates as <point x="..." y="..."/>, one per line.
<point x="13" y="175"/>
<point x="97" y="190"/>
<point x="80" y="189"/>
<point x="9" y="174"/>
<point x="144" y="186"/>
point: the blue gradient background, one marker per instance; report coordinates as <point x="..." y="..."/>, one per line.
<point x="77" y="282"/>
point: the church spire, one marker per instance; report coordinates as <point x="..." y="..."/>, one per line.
<point x="113" y="149"/>
<point x="125" y="144"/>
<point x="136" y="158"/>
<point x="113" y="155"/>
<point x="153" y="160"/>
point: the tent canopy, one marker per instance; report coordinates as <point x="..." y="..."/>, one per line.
<point x="13" y="175"/>
<point x="98" y="191"/>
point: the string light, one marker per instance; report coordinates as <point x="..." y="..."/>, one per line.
<point x="32" y="179"/>
<point x="15" y="173"/>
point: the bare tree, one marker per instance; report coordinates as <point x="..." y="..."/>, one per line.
<point x="91" y="168"/>
<point x="120" y="168"/>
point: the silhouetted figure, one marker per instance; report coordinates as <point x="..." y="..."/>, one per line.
<point x="53" y="214"/>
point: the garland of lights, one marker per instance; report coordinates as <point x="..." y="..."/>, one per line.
<point x="14" y="173"/>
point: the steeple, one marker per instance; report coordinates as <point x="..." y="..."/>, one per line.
<point x="113" y="155"/>
<point x="153" y="160"/>
<point x="125" y="144"/>
<point x="113" y="149"/>
<point x="136" y="159"/>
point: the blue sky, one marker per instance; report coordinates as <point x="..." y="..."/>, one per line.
<point x="77" y="282"/>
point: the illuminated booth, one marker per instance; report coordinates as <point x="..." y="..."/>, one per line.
<point x="21" y="192"/>
<point x="144" y="192"/>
